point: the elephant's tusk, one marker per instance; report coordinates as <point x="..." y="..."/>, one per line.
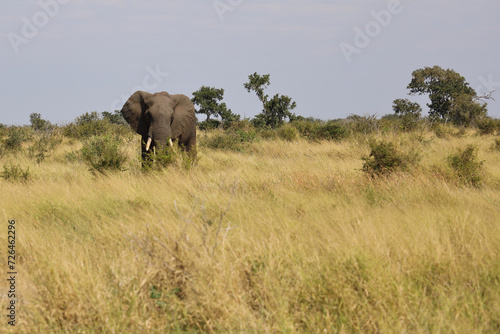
<point x="170" y="141"/>
<point x="154" y="150"/>
<point x="148" y="144"/>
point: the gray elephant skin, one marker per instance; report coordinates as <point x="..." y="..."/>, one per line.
<point x="161" y="118"/>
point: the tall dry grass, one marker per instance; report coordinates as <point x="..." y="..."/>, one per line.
<point x="282" y="237"/>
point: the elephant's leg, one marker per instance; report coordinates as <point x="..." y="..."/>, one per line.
<point x="190" y="147"/>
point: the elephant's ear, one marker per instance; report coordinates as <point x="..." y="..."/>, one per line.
<point x="133" y="110"/>
<point x="184" y="115"/>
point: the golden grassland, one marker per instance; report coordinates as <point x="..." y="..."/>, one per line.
<point x="282" y="237"/>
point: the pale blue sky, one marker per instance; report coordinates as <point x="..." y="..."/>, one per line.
<point x="61" y="58"/>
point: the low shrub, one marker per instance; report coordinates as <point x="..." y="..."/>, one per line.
<point x="103" y="153"/>
<point x="363" y="124"/>
<point x="442" y="130"/>
<point x="268" y="134"/>
<point x="331" y="131"/>
<point x="384" y="159"/>
<point x="486" y="126"/>
<point x="409" y="122"/>
<point x="43" y="145"/>
<point x="16" y="136"/>
<point x="306" y="128"/>
<point x="496" y="145"/>
<point x="234" y="140"/>
<point x="209" y="125"/>
<point x="95" y="124"/>
<point x="318" y="130"/>
<point x="15" y="173"/>
<point x="87" y="125"/>
<point x="159" y="159"/>
<point x="114" y="117"/>
<point x="287" y="132"/>
<point x="466" y="166"/>
<point x="38" y="123"/>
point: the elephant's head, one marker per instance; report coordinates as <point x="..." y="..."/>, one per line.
<point x="151" y="116"/>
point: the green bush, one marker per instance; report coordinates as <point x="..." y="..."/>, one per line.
<point x="442" y="130"/>
<point x="496" y="145"/>
<point x="307" y="129"/>
<point x="409" y="113"/>
<point x="158" y="159"/>
<point x="15" y="173"/>
<point x="16" y="136"/>
<point x="363" y="124"/>
<point x="115" y="117"/>
<point x="331" y="131"/>
<point x="268" y="133"/>
<point x="87" y="125"/>
<point x="318" y="130"/>
<point x="103" y="153"/>
<point x="384" y="158"/>
<point x="243" y="125"/>
<point x="287" y="132"/>
<point x="38" y="123"/>
<point x="209" y="125"/>
<point x="486" y="126"/>
<point x="409" y="122"/>
<point x="464" y="163"/>
<point x="43" y="144"/>
<point x="224" y="141"/>
<point x="390" y="123"/>
<point x="234" y="140"/>
<point x="96" y="124"/>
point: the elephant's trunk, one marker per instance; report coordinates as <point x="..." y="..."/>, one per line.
<point x="148" y="144"/>
<point x="160" y="136"/>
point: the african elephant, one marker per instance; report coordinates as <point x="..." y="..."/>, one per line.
<point x="160" y="118"/>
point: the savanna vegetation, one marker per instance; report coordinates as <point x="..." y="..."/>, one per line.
<point x="283" y="224"/>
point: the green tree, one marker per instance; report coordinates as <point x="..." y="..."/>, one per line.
<point x="274" y="110"/>
<point x="406" y="107"/>
<point x="258" y="83"/>
<point x="228" y="117"/>
<point x="208" y="99"/>
<point x="38" y="123"/>
<point x="409" y="112"/>
<point x="443" y="87"/>
<point x="465" y="110"/>
<point x="277" y="109"/>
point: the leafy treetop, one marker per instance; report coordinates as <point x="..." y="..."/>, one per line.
<point x="443" y="87"/>
<point x="207" y="98"/>
<point x="274" y="110"/>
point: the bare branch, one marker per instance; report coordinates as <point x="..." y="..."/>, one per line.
<point x="485" y="96"/>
